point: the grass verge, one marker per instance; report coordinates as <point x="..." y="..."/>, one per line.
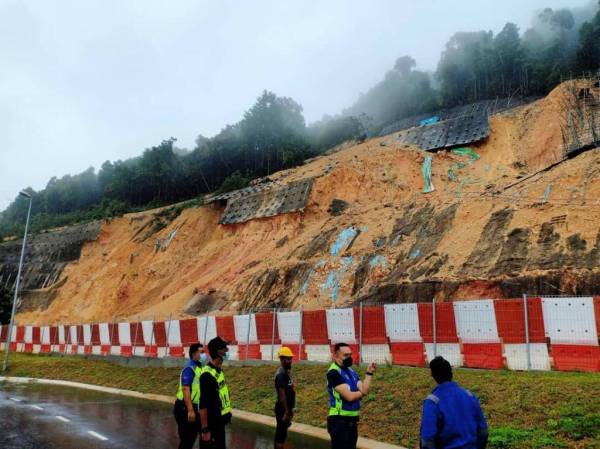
<point x="525" y="410"/>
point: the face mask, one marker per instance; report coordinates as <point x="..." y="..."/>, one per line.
<point x="203" y="359"/>
<point x="224" y="356"/>
<point x="347" y="362"/>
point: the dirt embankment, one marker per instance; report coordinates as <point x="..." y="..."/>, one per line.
<point x="493" y="227"/>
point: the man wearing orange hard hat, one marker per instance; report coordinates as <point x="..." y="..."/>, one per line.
<point x="286" y="396"/>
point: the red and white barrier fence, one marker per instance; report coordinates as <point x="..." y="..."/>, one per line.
<point x="551" y="332"/>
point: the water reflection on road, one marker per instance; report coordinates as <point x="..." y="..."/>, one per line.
<point x="52" y="417"/>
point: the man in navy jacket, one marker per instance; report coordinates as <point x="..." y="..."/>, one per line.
<point x="452" y="416"/>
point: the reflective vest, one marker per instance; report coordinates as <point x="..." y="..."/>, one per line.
<point x="337" y="405"/>
<point x="195" y="387"/>
<point x="223" y="389"/>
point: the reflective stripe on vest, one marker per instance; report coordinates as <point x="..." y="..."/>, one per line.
<point x="337" y="405"/>
<point x="195" y="387"/>
<point x="223" y="389"/>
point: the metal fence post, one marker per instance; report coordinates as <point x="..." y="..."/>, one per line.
<point x="434" y="328"/>
<point x="205" y="328"/>
<point x="360" y="333"/>
<point x="300" y="335"/>
<point x="152" y="337"/>
<point x="274" y="317"/>
<point x="248" y="333"/>
<point x="137" y="326"/>
<point x="167" y="336"/>
<point x="527" y="344"/>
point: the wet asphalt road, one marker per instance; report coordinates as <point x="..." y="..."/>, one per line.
<point x="52" y="417"/>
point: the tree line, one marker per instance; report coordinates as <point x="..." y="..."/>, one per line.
<point x="273" y="134"/>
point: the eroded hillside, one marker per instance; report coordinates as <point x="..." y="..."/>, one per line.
<point x="509" y="217"/>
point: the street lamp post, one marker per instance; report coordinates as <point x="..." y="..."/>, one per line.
<point x="14" y="304"/>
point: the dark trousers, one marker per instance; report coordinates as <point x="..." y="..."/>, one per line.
<point x="343" y="432"/>
<point x="217" y="438"/>
<point x="188" y="431"/>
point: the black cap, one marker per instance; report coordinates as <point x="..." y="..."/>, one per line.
<point x="216" y="344"/>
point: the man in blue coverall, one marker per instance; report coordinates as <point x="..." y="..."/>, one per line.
<point x="452" y="416"/>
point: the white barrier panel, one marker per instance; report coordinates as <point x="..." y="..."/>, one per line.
<point x="318" y="353"/>
<point x="516" y="356"/>
<point x="87" y="334"/>
<point x="28" y="334"/>
<point x="13" y="336"/>
<point x="240" y="324"/>
<point x="148" y="333"/>
<point x="378" y="353"/>
<point x="288" y="325"/>
<point x="173" y="333"/>
<point x="45" y="335"/>
<point x="340" y="325"/>
<point x="124" y="334"/>
<point x="104" y="334"/>
<point x="207" y="328"/>
<point x="450" y="351"/>
<point x="233" y="352"/>
<point x="265" y="352"/>
<point x="73" y="335"/>
<point x="476" y="321"/>
<point x="402" y="322"/>
<point x="61" y="335"/>
<point x="570" y="320"/>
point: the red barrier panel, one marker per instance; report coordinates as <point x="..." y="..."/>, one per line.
<point x="576" y="357"/>
<point x="483" y="355"/>
<point x="3" y="333"/>
<point x="35" y="335"/>
<point x="160" y="334"/>
<point x="264" y="327"/>
<point x="249" y="352"/>
<point x="54" y="335"/>
<point x="20" y="334"/>
<point x="95" y="340"/>
<point x="445" y="328"/>
<point x="226" y="329"/>
<point x="137" y="334"/>
<point x="80" y="340"/>
<point x="176" y="351"/>
<point x="188" y="331"/>
<point x="408" y="353"/>
<point x="113" y="333"/>
<point x="314" y="327"/>
<point x="373" y="325"/>
<point x="510" y="319"/>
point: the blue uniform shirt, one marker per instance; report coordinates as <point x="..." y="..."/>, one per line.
<point x="187" y="376"/>
<point x="452" y="419"/>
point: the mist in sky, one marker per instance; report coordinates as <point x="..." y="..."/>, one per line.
<point x="82" y="82"/>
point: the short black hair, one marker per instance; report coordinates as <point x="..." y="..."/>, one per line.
<point x="195" y="347"/>
<point x="215" y="345"/>
<point x="339" y="346"/>
<point x="441" y="370"/>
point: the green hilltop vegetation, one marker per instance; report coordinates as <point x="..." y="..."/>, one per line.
<point x="273" y="134"/>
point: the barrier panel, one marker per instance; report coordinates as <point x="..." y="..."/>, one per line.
<point x="523" y="334"/>
<point x="173" y="333"/>
<point x="477" y="329"/>
<point x="207" y="329"/>
<point x="372" y="335"/>
<point x="403" y="331"/>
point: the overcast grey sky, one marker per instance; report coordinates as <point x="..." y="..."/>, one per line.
<point x="84" y="81"/>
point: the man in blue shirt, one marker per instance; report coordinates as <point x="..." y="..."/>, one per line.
<point x="187" y="399"/>
<point x="452" y="416"/>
